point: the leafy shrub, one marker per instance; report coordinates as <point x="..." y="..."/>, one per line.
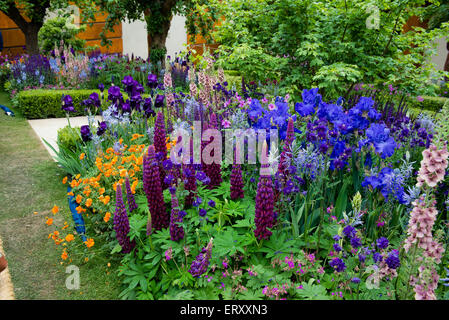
<point x="41" y="104"/>
<point x="68" y="137"/>
<point x="429" y="103"/>
<point x="299" y="41"/>
<point x="57" y="30"/>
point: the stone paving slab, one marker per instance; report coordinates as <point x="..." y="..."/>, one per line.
<point x="48" y="128"/>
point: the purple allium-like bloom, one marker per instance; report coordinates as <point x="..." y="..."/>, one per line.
<point x="202" y="212"/>
<point x="337" y="247"/>
<point x="201" y="263"/>
<point x="201" y="176"/>
<point x="356" y="242"/>
<point x="129" y="194"/>
<point x="264" y="218"/>
<point x="121" y="223"/>
<point x="85" y="133"/>
<point x="336" y="237"/>
<point x="377" y="257"/>
<point x="349" y="231"/>
<point x="382" y="243"/>
<point x="392" y="260"/>
<point x="176" y="231"/>
<point x="355" y="280"/>
<point x="153" y="190"/>
<point x="197" y="202"/>
<point x="337" y="264"/>
<point x="211" y="203"/>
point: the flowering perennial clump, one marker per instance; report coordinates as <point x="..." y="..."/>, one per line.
<point x="129" y="194"/>
<point x="433" y="166"/>
<point x="264" y="218"/>
<point x="153" y="190"/>
<point x="236" y="178"/>
<point x="176" y="231"/>
<point x="213" y="170"/>
<point x="121" y="223"/>
<point x="160" y="146"/>
<point x="421" y="223"/>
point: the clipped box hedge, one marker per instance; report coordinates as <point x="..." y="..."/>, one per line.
<point x="434" y="104"/>
<point x="46" y="103"/>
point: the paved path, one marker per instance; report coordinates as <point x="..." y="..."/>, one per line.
<point x="48" y="128"/>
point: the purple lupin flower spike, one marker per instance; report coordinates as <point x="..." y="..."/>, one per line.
<point x="264" y="217"/>
<point x="264" y="208"/>
<point x="121" y="223"/>
<point x="236" y="177"/>
<point x="213" y="170"/>
<point x="160" y="145"/>
<point x="153" y="190"/>
<point x="201" y="263"/>
<point x="176" y="231"/>
<point x="188" y="170"/>
<point x="129" y="194"/>
<point x="286" y="151"/>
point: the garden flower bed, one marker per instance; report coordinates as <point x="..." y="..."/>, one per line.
<point x="203" y="192"/>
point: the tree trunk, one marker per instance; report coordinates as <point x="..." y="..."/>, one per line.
<point x="156" y="39"/>
<point x="31" y="38"/>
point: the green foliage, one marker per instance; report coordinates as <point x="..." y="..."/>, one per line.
<point x="69" y="137"/>
<point x="41" y="104"/>
<point x="329" y="44"/>
<point x="434" y="104"/>
<point x="157" y="15"/>
<point x="60" y="30"/>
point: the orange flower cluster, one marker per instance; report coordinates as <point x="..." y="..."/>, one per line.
<point x="170" y="144"/>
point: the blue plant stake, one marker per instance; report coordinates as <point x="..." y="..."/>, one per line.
<point x="77" y="217"/>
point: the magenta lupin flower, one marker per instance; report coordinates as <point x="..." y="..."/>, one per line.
<point x="153" y="190"/>
<point x="129" y="194"/>
<point x="121" y="223"/>
<point x="176" y="231"/>
<point x="188" y="173"/>
<point x="264" y="218"/>
<point x="236" y="177"/>
<point x="286" y="151"/>
<point x="213" y="170"/>
<point x="160" y="146"/>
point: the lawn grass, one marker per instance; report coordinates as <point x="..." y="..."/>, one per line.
<point x="30" y="184"/>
